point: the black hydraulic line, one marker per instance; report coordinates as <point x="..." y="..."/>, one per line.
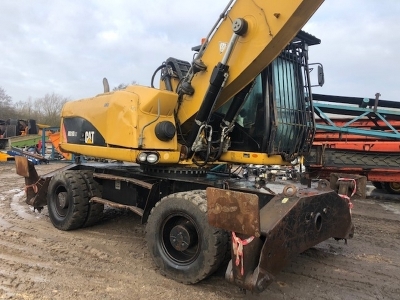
<point x="206" y="159"/>
<point x="216" y="81"/>
<point x="154" y="74"/>
<point x="233" y="109"/>
<point x="167" y="81"/>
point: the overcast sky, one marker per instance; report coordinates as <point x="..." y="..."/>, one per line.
<point x="68" y="46"/>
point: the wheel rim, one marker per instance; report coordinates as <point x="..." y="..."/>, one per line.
<point x="395" y="186"/>
<point x="61" y="202"/>
<point x="180" y="238"/>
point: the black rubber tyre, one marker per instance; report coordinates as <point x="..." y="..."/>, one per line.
<point x="67" y="200"/>
<point x="182" y="243"/>
<point x="377" y="184"/>
<point x="95" y="210"/>
<point x="392" y="187"/>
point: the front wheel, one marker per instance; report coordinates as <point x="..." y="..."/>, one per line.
<point x="67" y="200"/>
<point x="182" y="243"/>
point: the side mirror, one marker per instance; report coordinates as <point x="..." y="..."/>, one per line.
<point x="321" y="77"/>
<point x="320" y="74"/>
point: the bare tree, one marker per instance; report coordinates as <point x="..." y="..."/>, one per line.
<point x="7" y="111"/>
<point x="48" y="108"/>
<point x="26" y="109"/>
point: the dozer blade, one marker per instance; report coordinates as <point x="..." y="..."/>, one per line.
<point x="233" y="211"/>
<point x="289" y="225"/>
<point x="35" y="186"/>
<point x="22" y="166"/>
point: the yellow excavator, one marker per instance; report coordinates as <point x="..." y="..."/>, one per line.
<point x="244" y="99"/>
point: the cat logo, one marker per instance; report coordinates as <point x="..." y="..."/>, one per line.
<point x="89" y="137"/>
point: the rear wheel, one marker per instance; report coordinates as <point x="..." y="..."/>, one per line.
<point x="95" y="210"/>
<point x="392" y="187"/>
<point x="67" y="200"/>
<point x="182" y="243"/>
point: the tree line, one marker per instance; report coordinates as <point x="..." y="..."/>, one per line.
<point x="45" y="110"/>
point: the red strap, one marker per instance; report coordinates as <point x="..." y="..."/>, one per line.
<point x="238" y="249"/>
<point x="347" y="198"/>
<point x="33" y="186"/>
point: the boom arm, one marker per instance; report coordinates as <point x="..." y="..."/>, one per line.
<point x="271" y="25"/>
<point x="176" y="127"/>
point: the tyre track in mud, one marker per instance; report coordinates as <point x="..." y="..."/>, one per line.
<point x="111" y="261"/>
<point x="107" y="261"/>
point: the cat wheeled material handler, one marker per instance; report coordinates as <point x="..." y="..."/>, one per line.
<point x="245" y="99"/>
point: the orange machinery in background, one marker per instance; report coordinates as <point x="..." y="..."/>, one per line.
<point x="55" y="141"/>
<point x="357" y="136"/>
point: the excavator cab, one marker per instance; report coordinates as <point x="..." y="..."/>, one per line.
<point x="277" y="115"/>
<point x="272" y="115"/>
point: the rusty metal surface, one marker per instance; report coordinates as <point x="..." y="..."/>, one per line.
<point x="233" y="211"/>
<point x="289" y="226"/>
<point x="344" y="184"/>
<point x="121" y="178"/>
<point x="21" y="164"/>
<point x="251" y="256"/>
<point x="293" y="225"/>
<point x="35" y="186"/>
<point x="40" y="198"/>
<point x="384" y="175"/>
<point x="135" y="209"/>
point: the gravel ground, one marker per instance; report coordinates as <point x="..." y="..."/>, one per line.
<point x="110" y="260"/>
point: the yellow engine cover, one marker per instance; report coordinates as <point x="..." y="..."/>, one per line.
<point x="125" y="118"/>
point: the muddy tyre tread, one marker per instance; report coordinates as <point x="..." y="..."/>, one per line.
<point x="76" y="194"/>
<point x="95" y="210"/>
<point x="218" y="239"/>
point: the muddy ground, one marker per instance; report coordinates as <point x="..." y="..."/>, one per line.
<point x="110" y="260"/>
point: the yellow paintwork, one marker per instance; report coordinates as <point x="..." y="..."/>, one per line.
<point x="166" y="157"/>
<point x="240" y="157"/>
<point x="120" y="116"/>
<point x="41" y="126"/>
<point x="266" y="37"/>
<point x="5" y="157"/>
